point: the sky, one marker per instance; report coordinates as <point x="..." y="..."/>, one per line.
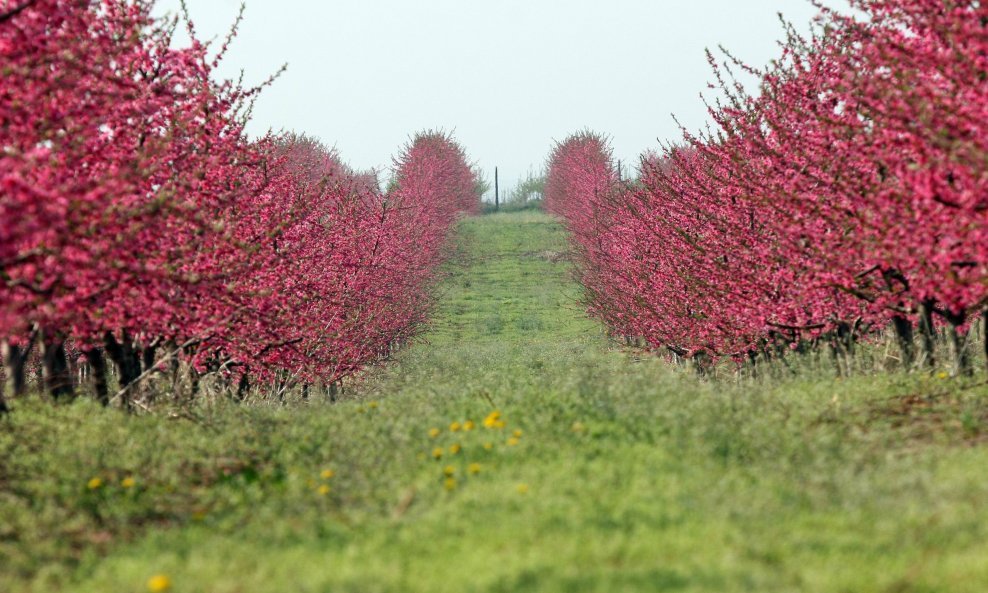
<point x="506" y="77"/>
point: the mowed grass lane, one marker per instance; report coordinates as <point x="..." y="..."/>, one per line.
<point x="611" y="472"/>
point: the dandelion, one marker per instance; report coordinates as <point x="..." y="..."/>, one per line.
<point x="128" y="482"/>
<point x="499" y="424"/>
<point x="513" y="442"/>
<point x="327" y="474"/>
<point x="473" y="468"/>
<point x="942" y="375"/>
<point x="449" y="484"/>
<point x="434" y="432"/>
<point x="373" y="405"/>
<point x="455" y="448"/>
<point x="455" y="427"/>
<point x="437" y="453"/>
<point x="517" y="434"/>
<point x="360" y="410"/>
<point x="323" y="490"/>
<point x="488" y="446"/>
<point x="159" y="583"/>
<point x="469" y="425"/>
<point x="449" y="471"/>
<point x="522" y="488"/>
<point x="492" y="419"/>
<point x="94" y="484"/>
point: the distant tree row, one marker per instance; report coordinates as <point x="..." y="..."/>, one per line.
<point x="141" y="228"/>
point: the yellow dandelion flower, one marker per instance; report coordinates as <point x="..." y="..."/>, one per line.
<point x="488" y="446"/>
<point x="455" y="448"/>
<point x="492" y="419"/>
<point x="128" y="482"/>
<point x="159" y="583"/>
<point x="437" y="453"/>
<point x="449" y="470"/>
<point x="327" y="474"/>
<point x="94" y="484"/>
<point x="449" y="484"/>
<point x="323" y="490"/>
<point x="455" y="427"/>
<point x="360" y="410"/>
<point x="522" y="488"/>
<point x="474" y="468"/>
<point x="434" y="432"/>
<point x="942" y="375"/>
<point x="499" y="424"/>
<point x="373" y="405"/>
<point x="513" y="442"/>
<point x="469" y="425"/>
<point x="517" y="434"/>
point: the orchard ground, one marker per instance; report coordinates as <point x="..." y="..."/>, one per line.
<point x="626" y="473"/>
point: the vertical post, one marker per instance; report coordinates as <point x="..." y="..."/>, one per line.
<point x="497" y="193"/>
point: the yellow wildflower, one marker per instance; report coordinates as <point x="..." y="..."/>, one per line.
<point x="522" y="488"/>
<point x="499" y="424"/>
<point x="94" y="483"/>
<point x="517" y="434"/>
<point x="128" y="482"/>
<point x="323" y="490"/>
<point x="159" y="583"/>
<point x="434" y="432"/>
<point x="474" y="468"/>
<point x="942" y="375"/>
<point x="327" y="474"/>
<point x="360" y="410"/>
<point x="488" y="446"/>
<point x="469" y="425"/>
<point x="455" y="427"/>
<point x="492" y="419"/>
<point x="437" y="453"/>
<point x="449" y="471"/>
<point x="455" y="448"/>
<point x="450" y="484"/>
<point x="512" y="442"/>
<point x="373" y="405"/>
<point x="577" y="427"/>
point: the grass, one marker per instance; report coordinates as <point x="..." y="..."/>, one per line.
<point x="628" y="474"/>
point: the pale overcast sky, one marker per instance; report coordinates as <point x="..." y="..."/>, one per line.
<point x="508" y="76"/>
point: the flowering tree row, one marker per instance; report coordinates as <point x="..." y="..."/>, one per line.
<point x="139" y="223"/>
<point x="848" y="195"/>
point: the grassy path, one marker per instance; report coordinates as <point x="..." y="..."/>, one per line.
<point x="625" y="475"/>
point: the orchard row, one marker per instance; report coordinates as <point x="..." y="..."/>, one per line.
<point x="140" y="225"/>
<point x="847" y="197"/>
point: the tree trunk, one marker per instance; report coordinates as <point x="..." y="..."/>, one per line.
<point x="958" y="344"/>
<point x="905" y="336"/>
<point x="15" y="364"/>
<point x="127" y="362"/>
<point x="927" y="331"/>
<point x="147" y="358"/>
<point x="55" y="369"/>
<point x="97" y="364"/>
<point x="984" y="333"/>
<point x="243" y="386"/>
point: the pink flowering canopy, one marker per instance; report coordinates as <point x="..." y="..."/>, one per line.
<point x="135" y="211"/>
<point x="850" y="190"/>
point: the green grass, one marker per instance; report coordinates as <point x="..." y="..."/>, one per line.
<point x="639" y="477"/>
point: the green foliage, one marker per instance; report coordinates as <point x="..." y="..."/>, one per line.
<point x="629" y="473"/>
